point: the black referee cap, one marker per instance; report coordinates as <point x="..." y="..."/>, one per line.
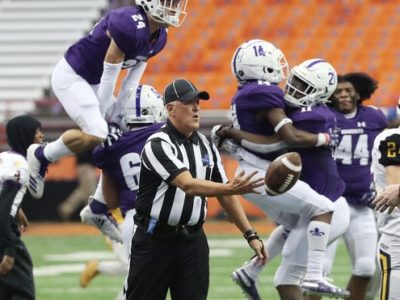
<point x="183" y="90"/>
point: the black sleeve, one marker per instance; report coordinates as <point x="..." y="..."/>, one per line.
<point x="390" y="150"/>
<point x="8" y="237"/>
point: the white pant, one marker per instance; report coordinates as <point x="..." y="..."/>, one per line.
<point x="293" y="266"/>
<point x="389" y="259"/>
<point x="286" y="209"/>
<point x="79" y="99"/>
<point x="128" y="229"/>
<point x="361" y="238"/>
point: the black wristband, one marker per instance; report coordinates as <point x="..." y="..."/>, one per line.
<point x="250" y="235"/>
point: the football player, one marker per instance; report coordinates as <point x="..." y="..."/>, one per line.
<point x="386" y="173"/>
<point x="259" y="107"/>
<point x="141" y="114"/>
<point x="84" y="79"/>
<point x="16" y="270"/>
<point x="359" y="125"/>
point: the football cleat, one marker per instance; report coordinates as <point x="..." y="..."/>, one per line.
<point x="323" y="288"/>
<point x="246" y="283"/>
<point x="104" y="222"/>
<point x="37" y="171"/>
<point x="91" y="271"/>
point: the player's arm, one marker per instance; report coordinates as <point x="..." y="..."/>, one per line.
<point x="111" y="68"/>
<point x="292" y="136"/>
<point x="8" y="238"/>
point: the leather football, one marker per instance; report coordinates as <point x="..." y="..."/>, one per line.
<point x="282" y="173"/>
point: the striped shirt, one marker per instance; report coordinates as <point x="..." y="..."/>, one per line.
<point x="166" y="154"/>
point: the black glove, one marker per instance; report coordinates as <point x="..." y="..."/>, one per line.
<point x="114" y="133"/>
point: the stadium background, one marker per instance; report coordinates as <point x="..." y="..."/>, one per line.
<point x="354" y="35"/>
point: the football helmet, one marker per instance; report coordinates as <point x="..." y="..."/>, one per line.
<point x="171" y="12"/>
<point x="310" y="83"/>
<point x="143" y="106"/>
<point x="259" y="60"/>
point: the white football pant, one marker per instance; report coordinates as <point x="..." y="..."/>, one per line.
<point x="79" y="99"/>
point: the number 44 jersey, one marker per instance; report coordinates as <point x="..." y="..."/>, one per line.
<point x="122" y="161"/>
<point x="353" y="153"/>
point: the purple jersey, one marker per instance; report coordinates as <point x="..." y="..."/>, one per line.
<point x="248" y="105"/>
<point x="122" y="161"/>
<point x="129" y="28"/>
<point x="319" y="168"/>
<point x="353" y="155"/>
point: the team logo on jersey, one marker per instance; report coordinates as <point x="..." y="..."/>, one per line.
<point x="205" y="160"/>
<point x="316" y="232"/>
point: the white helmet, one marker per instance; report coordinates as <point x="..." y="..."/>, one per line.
<point x="259" y="60"/>
<point x="171" y="12"/>
<point x="310" y="83"/>
<point x="143" y="106"/>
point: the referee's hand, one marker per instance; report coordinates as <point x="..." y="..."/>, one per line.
<point x="244" y="184"/>
<point x="259" y="251"/>
<point x="6" y="264"/>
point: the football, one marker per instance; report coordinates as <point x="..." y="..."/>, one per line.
<point x="282" y="173"/>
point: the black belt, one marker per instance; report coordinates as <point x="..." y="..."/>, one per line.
<point x="153" y="226"/>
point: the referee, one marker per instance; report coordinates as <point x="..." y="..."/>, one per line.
<point x="180" y="168"/>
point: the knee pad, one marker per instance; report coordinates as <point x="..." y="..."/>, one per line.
<point x="364" y="267"/>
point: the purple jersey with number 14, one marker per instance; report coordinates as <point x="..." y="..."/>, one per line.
<point x="129" y="29"/>
<point x="122" y="161"/>
<point x="248" y="105"/>
<point x="319" y="168"/>
<point x="353" y="154"/>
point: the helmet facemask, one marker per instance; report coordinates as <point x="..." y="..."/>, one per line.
<point x="170" y="12"/>
<point x="310" y="83"/>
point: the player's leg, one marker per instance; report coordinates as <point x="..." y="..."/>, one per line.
<point x="128" y="229"/>
<point x="361" y="238"/>
<point x="389" y="260"/>
<point x="118" y="267"/>
<point x="246" y="276"/>
<point x="96" y="212"/>
<point x="286" y="209"/>
<point x="80" y="102"/>
<point x="314" y="282"/>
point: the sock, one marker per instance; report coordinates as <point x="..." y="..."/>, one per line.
<point x="55" y="150"/>
<point x="317" y="236"/>
<point x="273" y="246"/>
<point x="98" y="207"/>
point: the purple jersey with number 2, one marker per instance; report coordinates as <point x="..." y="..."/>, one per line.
<point x="122" y="161"/>
<point x="129" y="28"/>
<point x="319" y="168"/>
<point x="353" y="154"/>
<point x="248" y="105"/>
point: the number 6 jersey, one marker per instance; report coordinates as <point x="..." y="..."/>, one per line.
<point x="122" y="161"/>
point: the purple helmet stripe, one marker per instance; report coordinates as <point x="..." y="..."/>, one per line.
<point x="138" y="92"/>
<point x="315" y="62"/>
<point x="234" y="62"/>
